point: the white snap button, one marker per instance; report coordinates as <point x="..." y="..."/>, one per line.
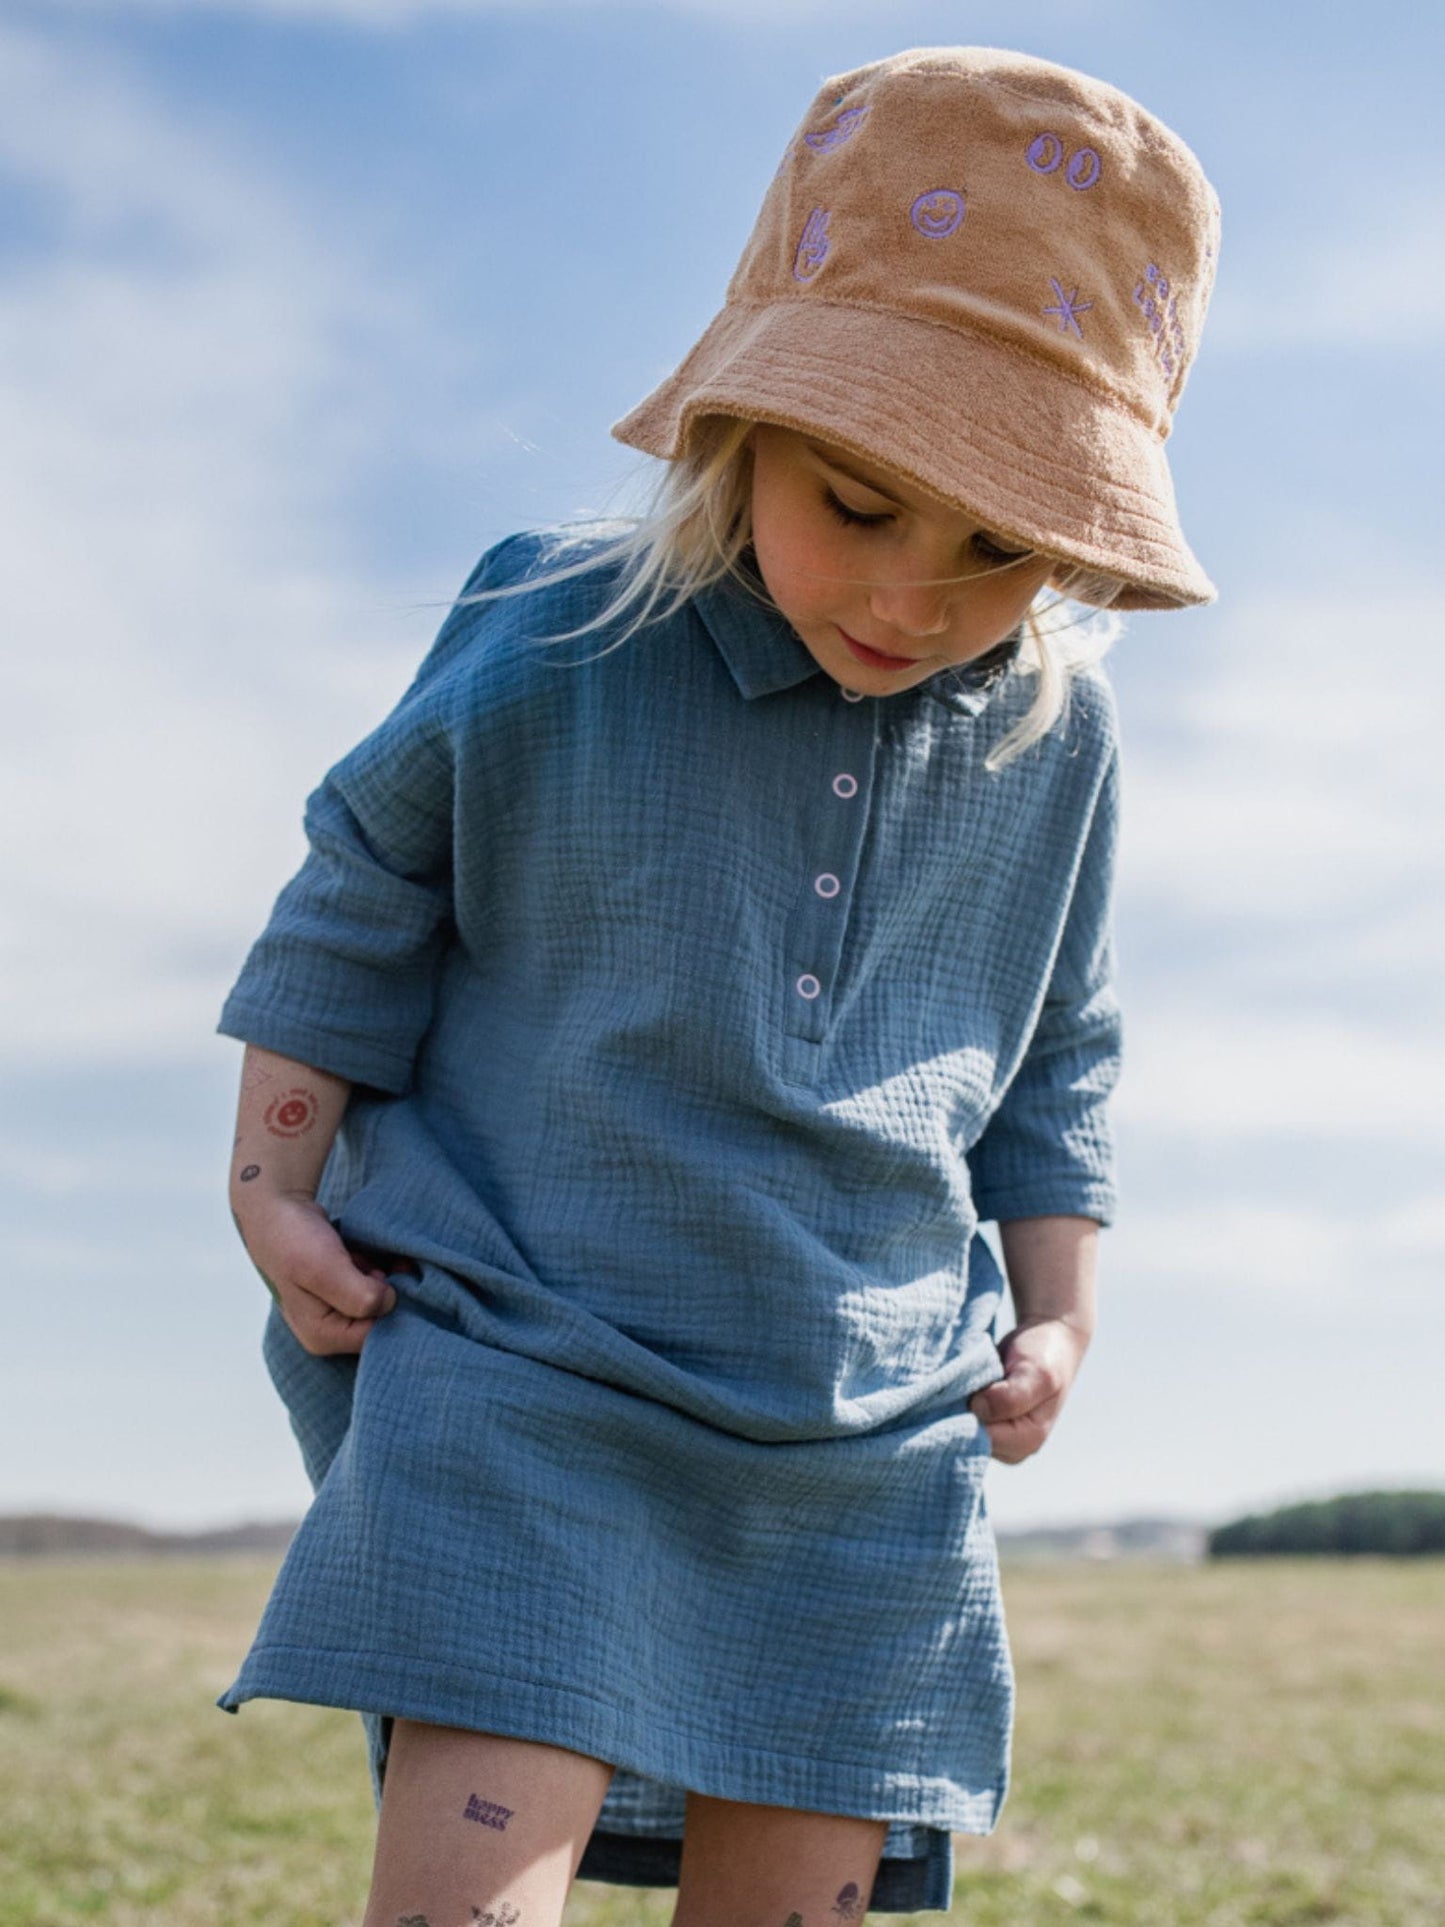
<point x="827" y="885"/>
<point x="845" y="785"/>
<point x="808" y="986"/>
<point x="851" y="695"/>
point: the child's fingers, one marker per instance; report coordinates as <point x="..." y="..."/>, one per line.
<point x="350" y="1293"/>
<point x="1015" y="1439"/>
<point x="1010" y="1397"/>
<point x="322" y="1329"/>
<point x="329" y="1301"/>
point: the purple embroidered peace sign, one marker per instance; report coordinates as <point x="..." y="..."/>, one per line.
<point x="814" y="246"/>
<point x="938" y="213"/>
<point x="843" y="129"/>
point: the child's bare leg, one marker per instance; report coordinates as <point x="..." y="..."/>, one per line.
<point x="752" y="1866"/>
<point x="479" y="1828"/>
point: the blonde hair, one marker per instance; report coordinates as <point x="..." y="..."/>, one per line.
<point x="698" y="526"/>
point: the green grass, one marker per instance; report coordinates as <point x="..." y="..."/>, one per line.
<point x="1250" y="1745"/>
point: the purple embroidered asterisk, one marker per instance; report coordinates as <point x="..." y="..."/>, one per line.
<point x="1068" y="308"/>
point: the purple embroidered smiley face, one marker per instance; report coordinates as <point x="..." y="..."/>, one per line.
<point x="843" y="129"/>
<point x="938" y="213"/>
<point x="814" y="246"/>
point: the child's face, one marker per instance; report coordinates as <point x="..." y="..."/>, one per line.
<point x="889" y="599"/>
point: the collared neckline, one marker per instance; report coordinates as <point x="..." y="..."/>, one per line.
<point x="758" y="644"/>
<point x="765" y="655"/>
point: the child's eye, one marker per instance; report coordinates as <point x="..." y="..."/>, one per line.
<point x="991" y="551"/>
<point x="853" y="518"/>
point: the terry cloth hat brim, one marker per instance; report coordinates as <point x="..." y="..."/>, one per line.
<point x="1060" y="464"/>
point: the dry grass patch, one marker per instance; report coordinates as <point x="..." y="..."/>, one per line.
<point x="1251" y="1745"/>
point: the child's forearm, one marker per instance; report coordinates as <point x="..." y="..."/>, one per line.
<point x="286" y="1123"/>
<point x="1051" y="1264"/>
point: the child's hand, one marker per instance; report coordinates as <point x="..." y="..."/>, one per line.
<point x="330" y="1294"/>
<point x="1041" y="1358"/>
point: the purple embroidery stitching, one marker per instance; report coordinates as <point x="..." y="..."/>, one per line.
<point x="814" y="247"/>
<point x="842" y="130"/>
<point x="1068" y="308"/>
<point x="1045" y="153"/>
<point x="1161" y="311"/>
<point x="938" y="213"/>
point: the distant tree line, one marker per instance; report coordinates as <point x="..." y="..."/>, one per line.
<point x="1392" y="1524"/>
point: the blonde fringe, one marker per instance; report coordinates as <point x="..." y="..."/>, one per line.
<point x="695" y="531"/>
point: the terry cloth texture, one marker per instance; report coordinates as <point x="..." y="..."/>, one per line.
<point x="989" y="273"/>
<point x="698" y="1010"/>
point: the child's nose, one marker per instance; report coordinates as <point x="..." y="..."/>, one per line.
<point x="913" y="609"/>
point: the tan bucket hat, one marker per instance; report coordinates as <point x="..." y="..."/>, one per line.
<point x="988" y="273"/>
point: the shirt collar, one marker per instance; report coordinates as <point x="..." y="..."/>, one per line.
<point x="758" y="645"/>
<point x="764" y="654"/>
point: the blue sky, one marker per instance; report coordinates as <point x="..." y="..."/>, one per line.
<point x="305" y="302"/>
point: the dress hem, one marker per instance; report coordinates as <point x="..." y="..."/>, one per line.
<point x="397" y="1687"/>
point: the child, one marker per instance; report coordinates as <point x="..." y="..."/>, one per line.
<point x="661" y="1009"/>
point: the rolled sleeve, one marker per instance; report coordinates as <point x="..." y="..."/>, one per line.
<point x="1048" y="1148"/>
<point x="344" y="975"/>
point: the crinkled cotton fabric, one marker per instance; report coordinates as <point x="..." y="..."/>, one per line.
<point x="697" y="1012"/>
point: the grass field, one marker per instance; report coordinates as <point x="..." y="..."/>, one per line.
<point x="1252" y="1745"/>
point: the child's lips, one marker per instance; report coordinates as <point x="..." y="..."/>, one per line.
<point x="876" y="657"/>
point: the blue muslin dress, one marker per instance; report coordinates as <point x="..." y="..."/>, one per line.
<point x="697" y="1011"/>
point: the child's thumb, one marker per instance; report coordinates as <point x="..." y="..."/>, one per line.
<point x="356" y="1291"/>
<point x="1005" y="1398"/>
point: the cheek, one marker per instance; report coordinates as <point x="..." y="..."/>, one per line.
<point x="1010" y="601"/>
<point x="795" y="564"/>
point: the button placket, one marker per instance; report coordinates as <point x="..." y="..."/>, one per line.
<point x="819" y="925"/>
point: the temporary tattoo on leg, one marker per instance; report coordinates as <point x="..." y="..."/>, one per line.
<point x="250" y="1172"/>
<point x="256" y="1077"/>
<point x="488" y="1813"/>
<point x="849" y="1904"/>
<point x="412" y="1920"/>
<point x="292" y="1113"/>
<point x="793" y="1920"/>
<point x="503" y="1915"/>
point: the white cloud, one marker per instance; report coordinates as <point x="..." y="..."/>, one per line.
<point x="1346" y="1260"/>
<point x="393" y="14"/>
<point x="1201" y="1070"/>
<point x="1378" y="282"/>
<point x="180" y="418"/>
<point x="1298" y="774"/>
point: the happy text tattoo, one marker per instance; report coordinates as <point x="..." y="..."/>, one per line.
<point x="487" y="1812"/>
<point x="293" y="1113"/>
